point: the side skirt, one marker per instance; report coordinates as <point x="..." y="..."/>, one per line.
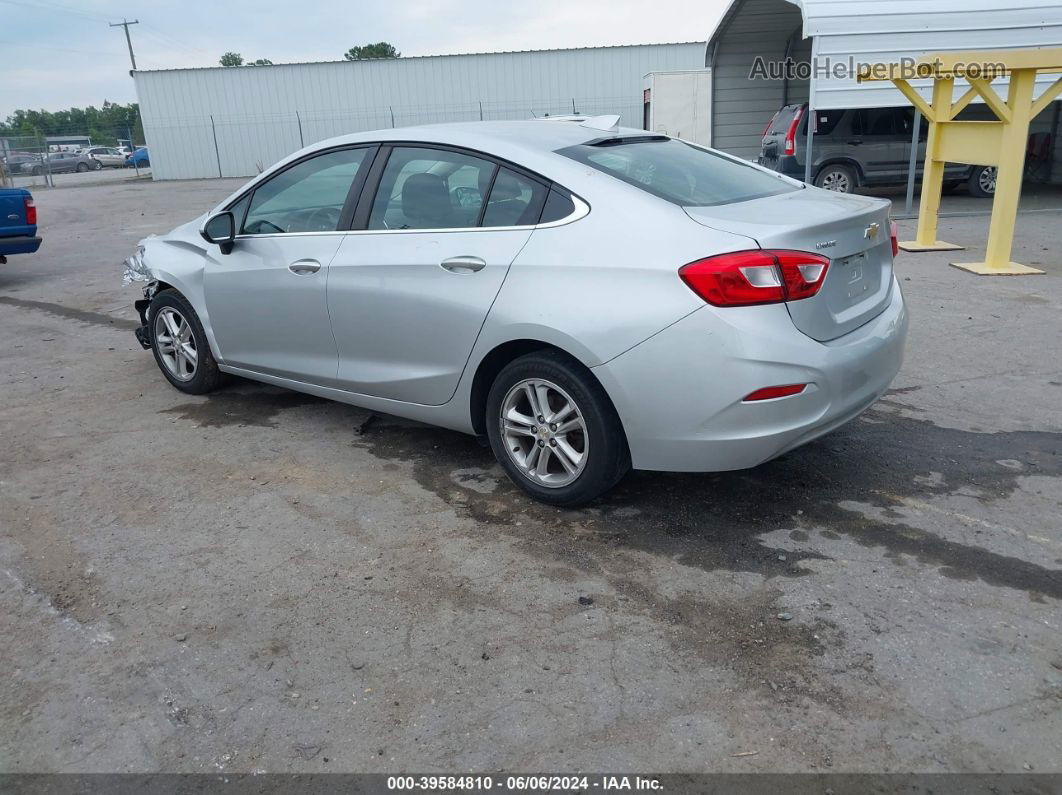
<point x="449" y="415"/>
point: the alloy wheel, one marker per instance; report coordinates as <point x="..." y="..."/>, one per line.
<point x="176" y="343"/>
<point x="544" y="433"/>
<point x="986" y="180"/>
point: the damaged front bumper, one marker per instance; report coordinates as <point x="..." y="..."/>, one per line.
<point x="136" y="270"/>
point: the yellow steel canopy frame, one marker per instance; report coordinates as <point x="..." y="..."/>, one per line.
<point x="999" y="143"/>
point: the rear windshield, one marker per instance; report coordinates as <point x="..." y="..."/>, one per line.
<point x="677" y="171"/>
<point x="782" y="120"/>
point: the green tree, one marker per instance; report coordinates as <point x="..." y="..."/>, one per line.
<point x="231" y="59"/>
<point x="103" y="125"/>
<point x="371" y="51"/>
<point x="261" y="62"/>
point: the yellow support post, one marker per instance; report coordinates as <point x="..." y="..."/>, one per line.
<point x="933" y="175"/>
<point x="1001" y="143"/>
<point x="1008" y="181"/>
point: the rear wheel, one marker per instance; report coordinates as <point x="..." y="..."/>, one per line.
<point x="982" y="182"/>
<point x="554" y="430"/>
<point x="180" y="345"/>
<point x="836" y="177"/>
<point x="82" y="167"/>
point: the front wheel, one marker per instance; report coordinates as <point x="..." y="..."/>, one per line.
<point x="82" y="168"/>
<point x="982" y="182"/>
<point x="554" y="430"/>
<point x="180" y="345"/>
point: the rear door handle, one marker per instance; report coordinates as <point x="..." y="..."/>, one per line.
<point x="854" y="142"/>
<point x="304" y="267"/>
<point x="464" y="264"/>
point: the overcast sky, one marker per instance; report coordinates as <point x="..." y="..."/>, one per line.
<point x="66" y="55"/>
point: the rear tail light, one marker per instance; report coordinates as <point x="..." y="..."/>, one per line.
<point x="31" y="211"/>
<point x="772" y="392"/>
<point x="748" y="278"/>
<point x="892" y="234"/>
<point x="791" y="133"/>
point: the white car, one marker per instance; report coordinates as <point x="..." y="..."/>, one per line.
<point x="589" y="298"/>
<point x="106" y="156"/>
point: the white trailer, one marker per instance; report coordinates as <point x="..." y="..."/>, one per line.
<point x="679" y="103"/>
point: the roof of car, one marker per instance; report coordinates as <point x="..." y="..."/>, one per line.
<point x="533" y="134"/>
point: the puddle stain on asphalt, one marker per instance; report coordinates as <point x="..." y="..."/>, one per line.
<point x="70" y="313"/>
<point x="715" y="521"/>
<point x="239" y="407"/>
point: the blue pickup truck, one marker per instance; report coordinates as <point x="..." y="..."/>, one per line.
<point x="18" y="223"/>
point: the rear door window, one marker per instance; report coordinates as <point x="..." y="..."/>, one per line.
<point x="874" y="122"/>
<point x="514" y="200"/>
<point x="423" y="188"/>
<point x="678" y="172"/>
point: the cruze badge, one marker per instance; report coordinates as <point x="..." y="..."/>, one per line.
<point x="826" y="244"/>
<point x="871" y="232"/>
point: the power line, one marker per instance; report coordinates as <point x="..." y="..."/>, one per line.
<point x="125" y="24"/>
<point x="49" y="6"/>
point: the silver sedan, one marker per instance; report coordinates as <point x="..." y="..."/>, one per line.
<point x="588" y="298"/>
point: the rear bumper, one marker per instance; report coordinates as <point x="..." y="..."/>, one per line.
<point x="22" y="244"/>
<point x="679" y="394"/>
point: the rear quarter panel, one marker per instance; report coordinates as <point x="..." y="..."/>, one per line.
<point x="600" y="285"/>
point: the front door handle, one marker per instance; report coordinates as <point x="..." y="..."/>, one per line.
<point x="464" y="264"/>
<point x="304" y="267"/>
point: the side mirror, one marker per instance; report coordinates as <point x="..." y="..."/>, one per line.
<point x="220" y="230"/>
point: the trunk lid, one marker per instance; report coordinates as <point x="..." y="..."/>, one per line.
<point x="853" y="231"/>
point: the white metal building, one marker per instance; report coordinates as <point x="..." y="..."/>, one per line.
<point x="236" y="121"/>
<point x="859" y="31"/>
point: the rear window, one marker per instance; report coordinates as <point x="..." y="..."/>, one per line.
<point x="782" y="120"/>
<point x="677" y="171"/>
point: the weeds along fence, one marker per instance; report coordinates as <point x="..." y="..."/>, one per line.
<point x="225" y="145"/>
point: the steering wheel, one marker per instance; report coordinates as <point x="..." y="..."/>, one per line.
<point x="323" y="219"/>
<point x="260" y="222"/>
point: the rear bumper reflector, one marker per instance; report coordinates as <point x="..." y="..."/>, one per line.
<point x="772" y="392"/>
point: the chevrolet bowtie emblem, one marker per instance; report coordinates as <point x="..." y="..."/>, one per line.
<point x="871" y="232"/>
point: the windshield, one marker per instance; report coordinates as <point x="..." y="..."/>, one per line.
<point x="677" y="171"/>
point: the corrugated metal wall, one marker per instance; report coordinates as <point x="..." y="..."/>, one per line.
<point x="237" y="121"/>
<point x="742" y="107"/>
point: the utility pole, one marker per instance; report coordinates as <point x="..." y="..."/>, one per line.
<point x="125" y="23"/>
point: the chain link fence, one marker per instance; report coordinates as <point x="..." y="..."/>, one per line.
<point x="66" y="157"/>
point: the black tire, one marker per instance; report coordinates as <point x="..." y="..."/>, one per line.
<point x="207" y="376"/>
<point x="36" y="171"/>
<point x="96" y="165"/>
<point x="607" y="455"/>
<point x="82" y="168"/>
<point x="837" y="177"/>
<point x="982" y="184"/>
